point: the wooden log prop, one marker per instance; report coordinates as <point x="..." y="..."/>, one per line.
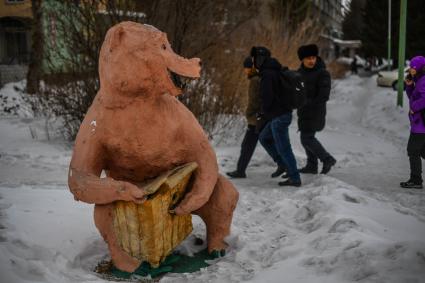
<point x="150" y="231"/>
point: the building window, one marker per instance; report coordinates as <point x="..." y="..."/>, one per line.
<point x="14" y="1"/>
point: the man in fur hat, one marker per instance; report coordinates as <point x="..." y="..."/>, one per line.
<point x="312" y="116"/>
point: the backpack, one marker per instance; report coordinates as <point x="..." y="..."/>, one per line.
<point x="293" y="94"/>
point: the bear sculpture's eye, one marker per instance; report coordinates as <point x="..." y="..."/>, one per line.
<point x="164" y="46"/>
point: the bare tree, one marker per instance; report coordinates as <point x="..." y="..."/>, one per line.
<point x="207" y="29"/>
<point x="220" y="32"/>
<point x="36" y="55"/>
<point x="76" y="32"/>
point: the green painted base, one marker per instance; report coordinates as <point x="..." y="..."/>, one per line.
<point x="174" y="263"/>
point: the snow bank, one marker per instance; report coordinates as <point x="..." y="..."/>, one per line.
<point x="12" y="100"/>
<point x="327" y="231"/>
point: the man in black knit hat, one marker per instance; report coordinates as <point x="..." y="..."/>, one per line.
<point x="274" y="136"/>
<point x="312" y="116"/>
<point x="251" y="136"/>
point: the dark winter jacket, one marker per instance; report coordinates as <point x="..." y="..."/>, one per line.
<point x="312" y="116"/>
<point x="254" y="104"/>
<point x="270" y="88"/>
<point x="416" y="94"/>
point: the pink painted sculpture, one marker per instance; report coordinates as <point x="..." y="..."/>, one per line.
<point x="136" y="129"/>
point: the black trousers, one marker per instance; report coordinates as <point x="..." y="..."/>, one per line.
<point x="313" y="149"/>
<point x="416" y="150"/>
<point x="247" y="148"/>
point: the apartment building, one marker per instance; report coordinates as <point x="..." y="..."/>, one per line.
<point x="331" y="15"/>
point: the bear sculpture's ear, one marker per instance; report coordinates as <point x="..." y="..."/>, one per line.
<point x="116" y="38"/>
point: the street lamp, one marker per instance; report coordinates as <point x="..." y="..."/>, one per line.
<point x="401" y="51"/>
<point x="389" y="36"/>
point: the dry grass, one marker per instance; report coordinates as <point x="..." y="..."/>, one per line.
<point x="338" y="70"/>
<point x="232" y="84"/>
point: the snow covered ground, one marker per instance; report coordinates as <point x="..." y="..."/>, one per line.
<point x="354" y="224"/>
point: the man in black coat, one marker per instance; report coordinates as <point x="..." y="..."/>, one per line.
<point x="274" y="136"/>
<point x="312" y="116"/>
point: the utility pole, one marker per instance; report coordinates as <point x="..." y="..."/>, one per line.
<point x="389" y="36"/>
<point x="401" y="51"/>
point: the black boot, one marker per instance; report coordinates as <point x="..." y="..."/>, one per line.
<point x="279" y="171"/>
<point x="327" y="165"/>
<point x="411" y="184"/>
<point x="236" y="174"/>
<point x="290" y="183"/>
<point x="308" y="169"/>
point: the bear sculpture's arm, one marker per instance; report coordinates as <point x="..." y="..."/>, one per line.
<point x="204" y="182"/>
<point x="84" y="173"/>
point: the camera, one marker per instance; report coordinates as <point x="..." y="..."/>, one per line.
<point x="409" y="77"/>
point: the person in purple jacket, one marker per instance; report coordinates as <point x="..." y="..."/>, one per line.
<point x="415" y="89"/>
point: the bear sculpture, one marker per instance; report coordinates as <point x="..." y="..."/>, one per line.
<point x="137" y="129"/>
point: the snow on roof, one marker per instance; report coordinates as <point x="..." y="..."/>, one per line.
<point x="347" y="43"/>
<point x="132" y="14"/>
<point x="343" y="43"/>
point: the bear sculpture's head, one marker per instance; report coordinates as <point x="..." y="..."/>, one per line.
<point x="137" y="59"/>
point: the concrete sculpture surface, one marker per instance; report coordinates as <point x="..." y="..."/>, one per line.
<point x="136" y="129"/>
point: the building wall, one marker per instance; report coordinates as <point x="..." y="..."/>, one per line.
<point x="53" y="40"/>
<point x="20" y="9"/>
<point x="331" y="12"/>
<point x="12" y="73"/>
<point x="331" y="16"/>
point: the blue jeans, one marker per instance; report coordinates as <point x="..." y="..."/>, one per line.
<point x="275" y="139"/>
